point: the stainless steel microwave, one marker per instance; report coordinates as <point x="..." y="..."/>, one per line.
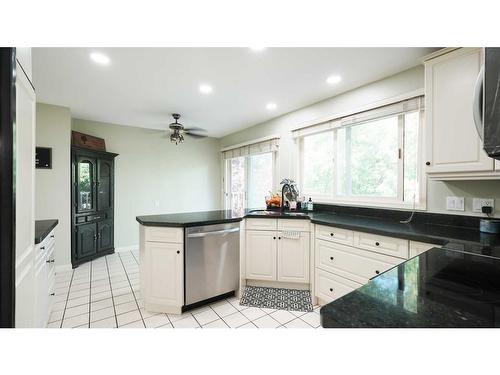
<point x="486" y="102"/>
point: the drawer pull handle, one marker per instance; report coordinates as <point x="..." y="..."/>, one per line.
<point x="377" y="244"/>
<point x="178" y="252"/>
<point x="50" y="261"/>
<point x="428" y="163"/>
<point x="52" y="236"/>
<point x="377" y="272"/>
<point x="331" y="289"/>
<point x="274" y="238"/>
<point x="331" y="258"/>
<point x="331" y="234"/>
<point x="279" y="238"/>
<point x="42" y="248"/>
<point x="52" y="294"/>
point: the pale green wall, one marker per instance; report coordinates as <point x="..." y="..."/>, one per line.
<point x="52" y="186"/>
<point x="404" y="82"/>
<point x="149" y="168"/>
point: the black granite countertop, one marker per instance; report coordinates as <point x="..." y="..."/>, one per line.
<point x="43" y="228"/>
<point x="455" y="237"/>
<point x="439" y="288"/>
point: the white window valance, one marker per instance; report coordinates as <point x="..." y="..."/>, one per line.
<point x="259" y="147"/>
<point x="409" y="105"/>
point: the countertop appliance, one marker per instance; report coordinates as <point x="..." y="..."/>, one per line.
<point x="212" y="261"/>
<point x="486" y="102"/>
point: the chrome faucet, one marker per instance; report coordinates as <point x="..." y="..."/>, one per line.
<point x="285" y="186"/>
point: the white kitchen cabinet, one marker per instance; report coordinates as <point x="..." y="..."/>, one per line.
<point x="453" y="149"/>
<point x="330" y="286"/>
<point x="44" y="280"/>
<point x="261" y="247"/>
<point x="343" y="236"/>
<point x="417" y="248"/>
<point x="293" y="258"/>
<point x="396" y="247"/>
<point x="162" y="269"/>
<point x="354" y="264"/>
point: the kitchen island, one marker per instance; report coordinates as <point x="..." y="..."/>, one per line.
<point x="385" y="301"/>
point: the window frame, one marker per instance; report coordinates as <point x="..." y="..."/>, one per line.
<point x="226" y="178"/>
<point x="398" y="201"/>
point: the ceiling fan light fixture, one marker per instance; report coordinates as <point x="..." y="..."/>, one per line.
<point x="176" y="137"/>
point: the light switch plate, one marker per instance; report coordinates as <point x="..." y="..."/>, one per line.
<point x="477" y="203"/>
<point x="455" y="203"/>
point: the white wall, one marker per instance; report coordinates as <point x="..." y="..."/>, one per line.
<point x="52" y="188"/>
<point x="401" y="83"/>
<point x="149" y="168"/>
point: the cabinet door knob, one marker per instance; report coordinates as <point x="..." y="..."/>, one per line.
<point x="274" y="238"/>
<point x="279" y="238"/>
<point x="331" y="289"/>
<point x="377" y="272"/>
<point x="331" y="258"/>
<point x="178" y="252"/>
<point x="331" y="234"/>
<point x="428" y="163"/>
<point x="377" y="244"/>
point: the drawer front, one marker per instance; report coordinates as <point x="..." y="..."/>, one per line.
<point x="160" y="234"/>
<point x="300" y="225"/>
<point x="395" y="247"/>
<point x="351" y="263"/>
<point x="261" y="224"/>
<point x="343" y="236"/>
<point x="329" y="287"/>
<point x="417" y="248"/>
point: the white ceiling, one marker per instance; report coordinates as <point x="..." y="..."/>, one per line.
<point x="143" y="86"/>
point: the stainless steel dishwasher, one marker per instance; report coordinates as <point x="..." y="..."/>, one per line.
<point x="212" y="261"/>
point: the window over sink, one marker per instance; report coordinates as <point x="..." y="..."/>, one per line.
<point x="371" y="157"/>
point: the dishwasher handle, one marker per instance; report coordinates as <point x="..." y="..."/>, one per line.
<point x="215" y="232"/>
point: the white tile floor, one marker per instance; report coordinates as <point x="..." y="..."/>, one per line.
<point x="105" y="293"/>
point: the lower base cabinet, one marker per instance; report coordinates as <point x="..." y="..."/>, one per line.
<point x="330" y="286"/>
<point x="293" y="258"/>
<point x="162" y="270"/>
<point x="44" y="280"/>
<point x="274" y="256"/>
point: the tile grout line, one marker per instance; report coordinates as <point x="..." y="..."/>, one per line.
<point x="90" y="291"/>
<point x="220" y="317"/>
<point x="111" y="289"/>
<point x="67" y="297"/>
<point x="133" y="292"/>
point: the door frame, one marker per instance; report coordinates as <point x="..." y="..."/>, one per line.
<point x="7" y="188"/>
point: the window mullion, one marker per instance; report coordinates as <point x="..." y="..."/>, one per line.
<point x="401" y="153"/>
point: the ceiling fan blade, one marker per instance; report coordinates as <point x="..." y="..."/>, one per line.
<point x="195" y="135"/>
<point x="194" y="129"/>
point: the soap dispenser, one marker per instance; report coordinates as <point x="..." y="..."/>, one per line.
<point x="310" y="204"/>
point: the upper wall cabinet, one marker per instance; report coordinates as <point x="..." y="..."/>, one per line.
<point x="453" y="148"/>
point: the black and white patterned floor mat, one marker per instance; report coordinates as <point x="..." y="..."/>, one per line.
<point x="277" y="298"/>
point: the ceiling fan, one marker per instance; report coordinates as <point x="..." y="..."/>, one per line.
<point x="177" y="131"/>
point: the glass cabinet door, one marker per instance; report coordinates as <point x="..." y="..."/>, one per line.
<point x="104" y="184"/>
<point x="85" y="178"/>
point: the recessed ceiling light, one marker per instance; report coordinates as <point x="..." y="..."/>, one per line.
<point x="271" y="106"/>
<point x="206" y="89"/>
<point x="99" y="58"/>
<point x="333" y="79"/>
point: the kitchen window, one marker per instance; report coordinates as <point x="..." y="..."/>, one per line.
<point x="368" y="158"/>
<point x="249" y="174"/>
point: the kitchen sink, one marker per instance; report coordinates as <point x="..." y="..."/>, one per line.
<point x="276" y="213"/>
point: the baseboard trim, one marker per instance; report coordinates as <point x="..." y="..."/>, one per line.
<point x="63" y="268"/>
<point x="126" y="248"/>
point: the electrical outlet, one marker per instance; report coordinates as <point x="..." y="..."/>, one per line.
<point x="455" y="203"/>
<point x="478" y="203"/>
